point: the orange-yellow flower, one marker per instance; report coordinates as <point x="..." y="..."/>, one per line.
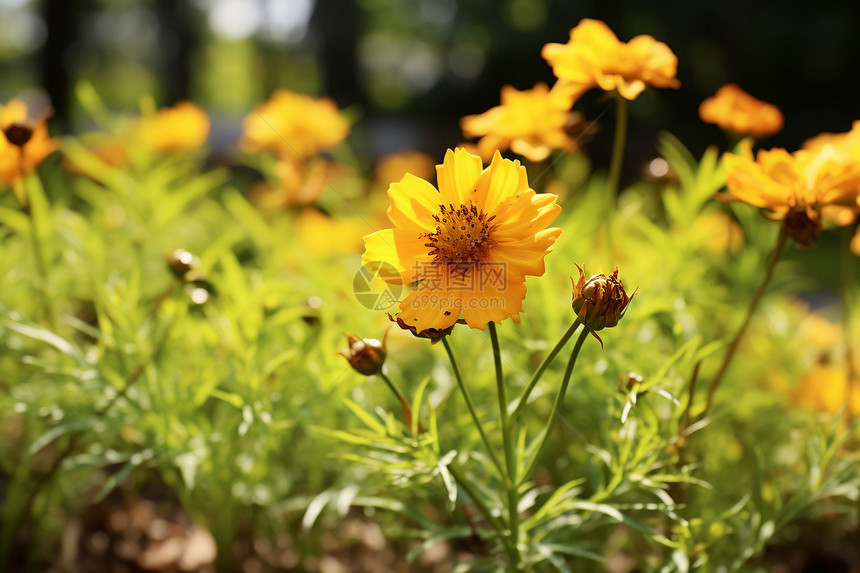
<point x="470" y="244"/>
<point x="299" y="183"/>
<point x="291" y="124"/>
<point x="24" y="142"/>
<point x="846" y="145"/>
<point x="826" y="388"/>
<point x="595" y="57"/>
<point x="183" y="127"/>
<point x="392" y="167"/>
<point x="530" y="123"/>
<point x="842" y="147"/>
<point x="794" y="187"/>
<point x="733" y="109"/>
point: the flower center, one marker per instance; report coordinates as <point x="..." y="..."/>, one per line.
<point x="463" y="235"/>
<point x="18" y="134"/>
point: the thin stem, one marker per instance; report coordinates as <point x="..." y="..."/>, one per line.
<point x="618" y="144"/>
<point x="22" y="190"/>
<point x="848" y="315"/>
<point x="471" y="405"/>
<point x="616" y="161"/>
<point x="733" y="345"/>
<point x="565" y="381"/>
<point x="523" y="398"/>
<point x="510" y="461"/>
<point x="497" y="525"/>
<point x="407" y="411"/>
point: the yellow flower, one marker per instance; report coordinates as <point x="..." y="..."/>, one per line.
<point x="846" y="145"/>
<point x="24" y="144"/>
<point x="826" y="388"/>
<point x="471" y="243"/>
<point x="183" y="127"/>
<point x="530" y="123"/>
<point x="842" y="147"/>
<point x="735" y="110"/>
<point x="595" y="57"/>
<point x="795" y="187"/>
<point x="392" y="167"/>
<point x="291" y="124"/>
<point x="299" y="183"/>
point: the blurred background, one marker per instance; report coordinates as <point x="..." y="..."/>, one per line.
<point x="407" y="70"/>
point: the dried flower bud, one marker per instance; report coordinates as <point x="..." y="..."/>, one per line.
<point x="432" y="334"/>
<point x="600" y="301"/>
<point x="366" y="355"/>
<point x="181" y="263"/>
<point x="18" y="134"/>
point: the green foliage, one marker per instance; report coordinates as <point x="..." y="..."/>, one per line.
<point x="223" y="388"/>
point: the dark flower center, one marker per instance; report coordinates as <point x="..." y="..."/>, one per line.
<point x="803" y="226"/>
<point x="18" y="134"/>
<point x="463" y="236"/>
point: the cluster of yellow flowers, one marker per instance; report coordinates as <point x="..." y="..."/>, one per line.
<point x="452" y="239"/>
<point x="534" y="122"/>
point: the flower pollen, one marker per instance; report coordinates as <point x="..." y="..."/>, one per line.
<point x="463" y="235"/>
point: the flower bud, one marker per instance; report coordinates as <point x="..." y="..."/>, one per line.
<point x="600" y="301"/>
<point x="181" y="263"/>
<point x="366" y="355"/>
<point x="432" y="334"/>
<point x="629" y="382"/>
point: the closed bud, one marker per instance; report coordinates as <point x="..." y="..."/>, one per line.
<point x="181" y="263"/>
<point x="631" y="382"/>
<point x="600" y="301"/>
<point x="365" y="355"/>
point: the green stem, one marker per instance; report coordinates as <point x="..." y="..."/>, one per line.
<point x="510" y="460"/>
<point x="565" y="381"/>
<point x="733" y="345"/>
<point x="485" y="510"/>
<point x="523" y="398"/>
<point x="407" y="411"/>
<point x="471" y="405"/>
<point x="615" y="163"/>
<point x="848" y="314"/>
<point x="22" y="190"/>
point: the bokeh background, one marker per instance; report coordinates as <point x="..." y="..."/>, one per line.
<point x="407" y="70"/>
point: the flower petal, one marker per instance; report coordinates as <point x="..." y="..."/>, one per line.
<point x="458" y="176"/>
<point x="527" y="214"/>
<point x="526" y="256"/>
<point x="499" y="184"/>
<point x="399" y="256"/>
<point x="490" y="302"/>
<point x="413" y="204"/>
<point x="430" y="305"/>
